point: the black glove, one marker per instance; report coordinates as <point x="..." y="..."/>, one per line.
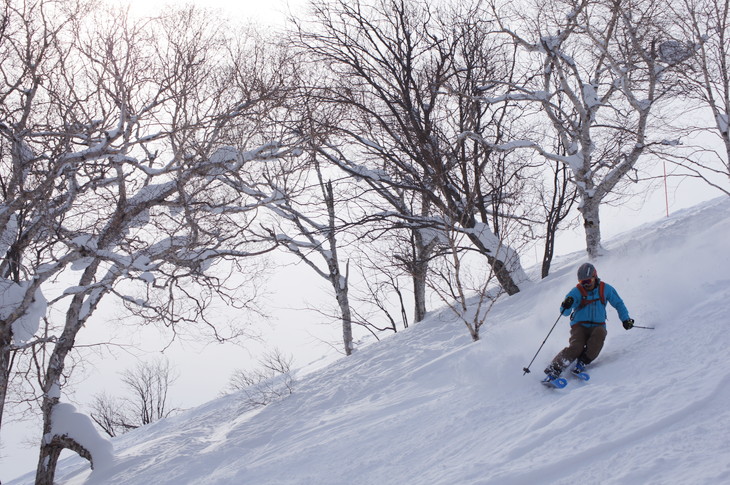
<point x="628" y="324"/>
<point x="567" y="303"/>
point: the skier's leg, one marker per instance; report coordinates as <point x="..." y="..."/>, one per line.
<point x="594" y="344"/>
<point x="576" y="344"/>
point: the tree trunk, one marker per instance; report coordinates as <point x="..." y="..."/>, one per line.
<point x="547" y="257"/>
<point x="592" y="225"/>
<point x="50" y="451"/>
<point x="344" y="303"/>
<point x="726" y="140"/>
<point x="504" y="276"/>
<point x="561" y="202"/>
<point x="47" y="463"/>
<point x="420" y="269"/>
<point x="339" y="284"/>
<point x="5" y="366"/>
<point x="499" y="266"/>
<point x="52" y="445"/>
<point x="419" y="272"/>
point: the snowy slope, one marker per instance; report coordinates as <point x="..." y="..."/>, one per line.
<point x="428" y="406"/>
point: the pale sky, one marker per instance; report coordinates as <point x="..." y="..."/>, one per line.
<point x="265" y="11"/>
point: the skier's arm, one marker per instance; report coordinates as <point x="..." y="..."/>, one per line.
<point x="615" y="300"/>
<point x="572" y="300"/>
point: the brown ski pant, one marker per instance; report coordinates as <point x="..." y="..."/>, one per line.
<point x="585" y="342"/>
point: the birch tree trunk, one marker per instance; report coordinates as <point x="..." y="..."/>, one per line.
<point x="592" y="226"/>
<point x="5" y="366"/>
<point x="419" y="273"/>
<point x="52" y="444"/>
<point x="339" y="282"/>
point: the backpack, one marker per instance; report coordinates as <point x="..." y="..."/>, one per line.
<point x="585" y="301"/>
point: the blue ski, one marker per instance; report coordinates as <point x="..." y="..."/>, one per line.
<point x="581" y="375"/>
<point x="557" y="383"/>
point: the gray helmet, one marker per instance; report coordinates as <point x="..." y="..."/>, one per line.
<point x="587" y="271"/>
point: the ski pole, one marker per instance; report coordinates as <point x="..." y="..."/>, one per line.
<point x="527" y="369"/>
<point x="647" y="328"/>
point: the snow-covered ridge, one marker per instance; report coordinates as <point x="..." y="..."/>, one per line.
<point x="428" y="406"/>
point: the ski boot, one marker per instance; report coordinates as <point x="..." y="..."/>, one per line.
<point x="553" y="379"/>
<point x="579" y="370"/>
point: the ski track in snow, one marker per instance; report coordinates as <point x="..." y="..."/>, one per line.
<point x="428" y="406"/>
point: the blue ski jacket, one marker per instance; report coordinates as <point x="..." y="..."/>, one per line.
<point x="594" y="313"/>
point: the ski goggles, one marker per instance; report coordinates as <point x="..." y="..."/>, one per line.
<point x="587" y="282"/>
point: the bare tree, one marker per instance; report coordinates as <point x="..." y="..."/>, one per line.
<point x="28" y="49"/>
<point x="147" y="386"/>
<point x="382" y="292"/>
<point x="405" y="73"/>
<point x="115" y="174"/>
<point x="599" y="76"/>
<point x="309" y="225"/>
<point x="272" y="380"/>
<point x="467" y="289"/>
<point x="149" y="383"/>
<point x="706" y="27"/>
<point x="557" y="202"/>
<point x="107" y="414"/>
<point x="402" y="232"/>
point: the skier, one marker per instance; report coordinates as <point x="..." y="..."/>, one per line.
<point x="587" y="301"/>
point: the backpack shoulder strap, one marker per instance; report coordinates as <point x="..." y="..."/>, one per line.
<point x="584" y="294"/>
